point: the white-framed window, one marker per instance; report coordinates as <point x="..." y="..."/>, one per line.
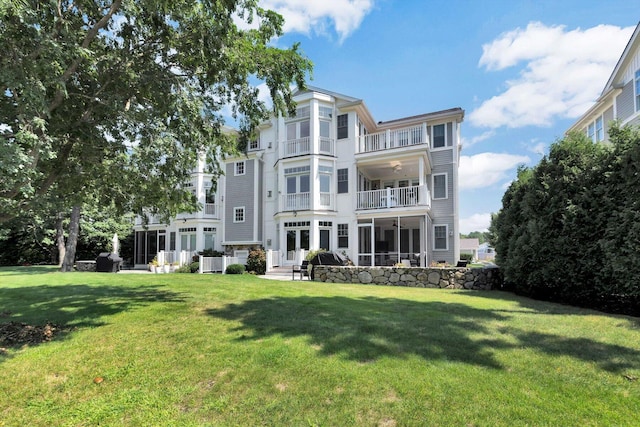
<point x="239" y="168"/>
<point x="440" y="186"/>
<point x="343" y="126"/>
<point x="325" y="112"/>
<point x="298" y="130"/>
<point x="440" y="240"/>
<point x="187" y="238"/>
<point x="209" y="237"/>
<point x="343" y="235"/>
<point x="637" y="86"/>
<point x="438" y="136"/>
<point x="238" y="214"/>
<point x="595" y="130"/>
<point x="343" y="181"/>
<point x="254" y="144"/>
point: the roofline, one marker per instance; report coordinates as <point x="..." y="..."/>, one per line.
<point x="622" y="59"/>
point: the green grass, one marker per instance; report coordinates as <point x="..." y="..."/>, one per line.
<point x="191" y="350"/>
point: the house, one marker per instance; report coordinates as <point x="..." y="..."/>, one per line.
<point x="486" y="252"/>
<point x="330" y="177"/>
<point x="620" y="98"/>
<point x="470" y="246"/>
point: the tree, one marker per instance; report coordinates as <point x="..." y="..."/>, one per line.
<point x="118" y="99"/>
<point x="569" y="230"/>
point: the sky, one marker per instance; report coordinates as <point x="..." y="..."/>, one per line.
<point x="523" y="71"/>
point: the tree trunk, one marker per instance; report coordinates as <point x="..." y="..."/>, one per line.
<point x="72" y="241"/>
<point x="60" y="239"/>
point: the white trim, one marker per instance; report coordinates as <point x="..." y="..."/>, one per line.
<point x="236" y="165"/>
<point x="446" y="185"/>
<point x="446" y="235"/>
<point x="235" y="214"/>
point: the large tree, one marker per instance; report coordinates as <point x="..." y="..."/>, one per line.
<point x="116" y="99"/>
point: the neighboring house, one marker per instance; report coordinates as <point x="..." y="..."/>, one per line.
<point x="486" y="252"/>
<point x="470" y="246"/>
<point x="620" y="98"/>
<point x="332" y="178"/>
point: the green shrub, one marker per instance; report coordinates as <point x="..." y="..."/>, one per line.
<point x="313" y="253"/>
<point x="235" y="269"/>
<point x="466" y="257"/>
<point x="183" y="269"/>
<point x="194" y="266"/>
<point x="257" y="262"/>
<point x="211" y="253"/>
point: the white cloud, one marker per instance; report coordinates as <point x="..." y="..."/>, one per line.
<point x="469" y="142"/>
<point x="562" y="73"/>
<point x="476" y="222"/>
<point x="486" y="169"/>
<point x="318" y="16"/>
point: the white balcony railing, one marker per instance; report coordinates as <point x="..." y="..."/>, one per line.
<point x="211" y="210"/>
<point x="389" y="198"/>
<point x="390" y="139"/>
<point x="297" y="147"/>
<point x="296" y="201"/>
<point x="327" y="146"/>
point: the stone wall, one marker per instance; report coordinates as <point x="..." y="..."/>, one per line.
<point x="86" y="265"/>
<point x="450" y="278"/>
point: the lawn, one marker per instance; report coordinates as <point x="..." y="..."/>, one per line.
<point x="192" y="350"/>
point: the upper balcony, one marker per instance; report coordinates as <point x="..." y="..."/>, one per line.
<point x="394" y="198"/>
<point x="393" y="139"/>
<point x="303" y="201"/>
<point x="303" y="146"/>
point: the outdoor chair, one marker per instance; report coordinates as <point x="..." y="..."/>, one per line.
<point x="301" y="269"/>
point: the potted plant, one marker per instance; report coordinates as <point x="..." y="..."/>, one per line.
<point x="165" y="267"/>
<point x="154" y="265"/>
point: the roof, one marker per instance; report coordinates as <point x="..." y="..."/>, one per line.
<point x="469" y="244"/>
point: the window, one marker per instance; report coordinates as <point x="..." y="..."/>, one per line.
<point x="172" y="241"/>
<point x="238" y="214"/>
<point x="343" y="235"/>
<point x="439" y="139"/>
<point x="599" y="129"/>
<point x="325" y="127"/>
<point x="343" y="126"/>
<point x="209" y="238"/>
<point x="324" y="239"/>
<point x="440" y="186"/>
<point x="325" y="183"/>
<point x="343" y="181"/>
<point x="254" y="144"/>
<point x="440" y="237"/>
<point x="595" y="130"/>
<point x="298" y="130"/>
<point x="187" y="239"/>
<point x="239" y="168"/>
<point x="637" y="85"/>
<point x="326" y="112"/>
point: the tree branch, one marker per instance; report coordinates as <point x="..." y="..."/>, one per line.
<point x="88" y="38"/>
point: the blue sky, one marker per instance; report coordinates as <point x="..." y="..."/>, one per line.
<point x="523" y="71"/>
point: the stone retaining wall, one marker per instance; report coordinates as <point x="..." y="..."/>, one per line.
<point x="86" y="265"/>
<point x="418" y="277"/>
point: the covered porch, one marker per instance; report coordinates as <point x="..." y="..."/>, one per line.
<point x="392" y="240"/>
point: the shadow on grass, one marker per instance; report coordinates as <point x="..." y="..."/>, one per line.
<point x="370" y="328"/>
<point x="28" y="270"/>
<point x="73" y="306"/>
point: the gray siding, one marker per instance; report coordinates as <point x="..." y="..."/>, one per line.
<point x="441" y="157"/>
<point x="624" y="102"/>
<point x="607" y="118"/>
<point x="635" y="121"/>
<point x="239" y="192"/>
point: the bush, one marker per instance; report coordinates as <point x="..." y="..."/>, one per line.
<point x="313" y="253"/>
<point x="235" y="269"/>
<point x="466" y="257"/>
<point x="183" y="269"/>
<point x="211" y="253"/>
<point x="194" y="266"/>
<point x="257" y="262"/>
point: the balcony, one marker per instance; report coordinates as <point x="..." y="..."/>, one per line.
<point x="302" y="146"/>
<point x="302" y="201"/>
<point x="211" y="210"/>
<point x="392" y="198"/>
<point x="396" y="138"/>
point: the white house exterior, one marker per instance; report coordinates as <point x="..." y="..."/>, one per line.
<point x="332" y="178"/>
<point x="620" y="98"/>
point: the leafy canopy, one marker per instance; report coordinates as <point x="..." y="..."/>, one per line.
<point x="119" y="99"/>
